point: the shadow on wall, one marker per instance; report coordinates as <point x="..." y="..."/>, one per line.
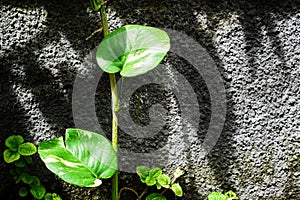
<point x="180" y="15"/>
<point x="53" y="94"/>
<point x="28" y="86"/>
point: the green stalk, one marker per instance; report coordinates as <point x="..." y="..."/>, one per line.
<point x="115" y="107"/>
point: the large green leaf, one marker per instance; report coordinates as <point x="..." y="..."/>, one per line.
<point x="132" y="50"/>
<point x="83" y="160"/>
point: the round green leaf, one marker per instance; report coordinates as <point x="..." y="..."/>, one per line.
<point x="26" y="178"/>
<point x="35" y="181"/>
<point x="83" y="159"/>
<point x="23" y="192"/>
<point x="14" y="141"/>
<point x="155" y="196"/>
<point x="155" y="172"/>
<point x="10" y="156"/>
<point x="150" y="181"/>
<point x="176" y="188"/>
<point x="132" y="50"/>
<point x="48" y="196"/>
<point x="27" y="149"/>
<point x="38" y="192"/>
<point x="216" y="196"/>
<point x="164" y="180"/>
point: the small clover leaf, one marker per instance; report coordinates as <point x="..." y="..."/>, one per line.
<point x="150" y="181"/>
<point x="164" y="180"/>
<point x="48" y="196"/>
<point x="26" y="178"/>
<point x="38" y="192"/>
<point x="27" y="149"/>
<point x="10" y="156"/>
<point x="35" y="181"/>
<point x="14" y="141"/>
<point x="155" y="172"/>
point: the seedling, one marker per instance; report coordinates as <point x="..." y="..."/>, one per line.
<point x="19" y="153"/>
<point x="155" y="177"/>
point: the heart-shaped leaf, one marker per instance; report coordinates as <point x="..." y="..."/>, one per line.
<point x="132" y="50"/>
<point x="82" y="160"/>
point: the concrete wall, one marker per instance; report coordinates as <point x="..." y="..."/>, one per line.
<point x="253" y="46"/>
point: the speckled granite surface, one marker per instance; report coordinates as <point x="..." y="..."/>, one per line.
<point x="255" y="47"/>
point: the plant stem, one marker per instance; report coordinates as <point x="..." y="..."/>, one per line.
<point x="130" y="189"/>
<point x="143" y="193"/>
<point x="115" y="106"/>
<point x="115" y="109"/>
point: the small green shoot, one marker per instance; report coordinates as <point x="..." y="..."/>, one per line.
<point x="155" y="176"/>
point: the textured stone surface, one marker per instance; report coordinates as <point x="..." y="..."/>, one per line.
<point x="255" y="45"/>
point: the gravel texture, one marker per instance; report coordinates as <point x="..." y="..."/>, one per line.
<point x="256" y="49"/>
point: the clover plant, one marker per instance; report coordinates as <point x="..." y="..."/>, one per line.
<point x="19" y="153"/>
<point x="155" y="177"/>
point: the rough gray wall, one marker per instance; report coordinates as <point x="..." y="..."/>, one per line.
<point x="255" y="45"/>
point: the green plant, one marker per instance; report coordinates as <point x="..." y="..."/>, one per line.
<point x="155" y="177"/>
<point x="131" y="50"/>
<point x="230" y="195"/>
<point x="19" y="153"/>
<point x="52" y="196"/>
